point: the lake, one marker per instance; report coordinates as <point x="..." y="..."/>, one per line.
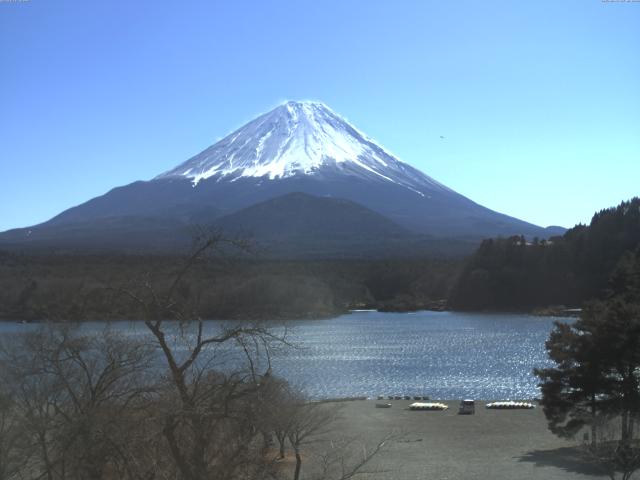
<point x="445" y="355"/>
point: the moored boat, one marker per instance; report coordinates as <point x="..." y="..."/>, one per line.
<point x="510" y="405"/>
<point x="428" y="406"/>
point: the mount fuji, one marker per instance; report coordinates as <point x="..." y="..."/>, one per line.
<point x="300" y="158"/>
<point x="297" y="139"/>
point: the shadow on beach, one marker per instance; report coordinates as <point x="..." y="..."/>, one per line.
<point x="569" y="459"/>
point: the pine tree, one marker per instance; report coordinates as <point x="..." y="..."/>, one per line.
<point x="596" y="378"/>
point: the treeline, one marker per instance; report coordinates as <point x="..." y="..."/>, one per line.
<point x="503" y="274"/>
<point x="69" y="287"/>
<point x="516" y="274"/>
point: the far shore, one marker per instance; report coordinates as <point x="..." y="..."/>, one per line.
<point x="561" y="312"/>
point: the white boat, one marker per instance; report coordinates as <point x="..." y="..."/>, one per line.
<point x="510" y="405"/>
<point x="428" y="406"/>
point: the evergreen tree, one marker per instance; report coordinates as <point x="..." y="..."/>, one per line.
<point x="596" y="378"/>
<point x="571" y="391"/>
<point x="515" y="275"/>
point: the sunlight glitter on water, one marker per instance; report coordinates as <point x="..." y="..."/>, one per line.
<point x="445" y="355"/>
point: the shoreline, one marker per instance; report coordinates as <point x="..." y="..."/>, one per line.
<point x="490" y="444"/>
<point x="448" y="401"/>
<point x="547" y="312"/>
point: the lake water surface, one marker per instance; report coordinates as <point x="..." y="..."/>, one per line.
<point x="445" y="355"/>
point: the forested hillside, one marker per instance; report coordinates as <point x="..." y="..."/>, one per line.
<point x="504" y="274"/>
<point x="515" y="274"/>
<point x="89" y="286"/>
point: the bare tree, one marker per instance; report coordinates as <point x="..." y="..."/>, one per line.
<point x="210" y="425"/>
<point x="345" y="458"/>
<point x="311" y="432"/>
<point x="307" y="423"/>
<point x="187" y="400"/>
<point x="75" y="398"/>
<point x="13" y="454"/>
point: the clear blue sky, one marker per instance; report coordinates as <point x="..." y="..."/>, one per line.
<point x="538" y="101"/>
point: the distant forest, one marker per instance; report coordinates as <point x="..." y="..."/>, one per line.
<point x="504" y="274"/>
<point x="516" y="274"/>
<point x="78" y="287"/>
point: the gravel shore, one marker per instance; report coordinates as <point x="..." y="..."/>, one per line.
<point x="439" y="445"/>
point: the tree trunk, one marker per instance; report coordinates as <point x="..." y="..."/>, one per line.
<point x="594" y="428"/>
<point x="625" y="428"/>
<point x="174" y="447"/>
<point x="282" y="438"/>
<point x="265" y="441"/>
<point x="198" y="454"/>
<point x="45" y="455"/>
<point x="296" y="474"/>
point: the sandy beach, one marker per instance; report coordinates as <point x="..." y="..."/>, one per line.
<point x="442" y="445"/>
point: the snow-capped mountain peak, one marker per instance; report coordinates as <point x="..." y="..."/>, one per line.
<point x="300" y="138"/>
<point x="287" y="174"/>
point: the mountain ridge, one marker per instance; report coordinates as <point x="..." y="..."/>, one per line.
<point x="297" y="147"/>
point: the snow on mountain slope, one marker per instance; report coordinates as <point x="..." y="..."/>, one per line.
<point x="300" y="138"/>
<point x="299" y="147"/>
